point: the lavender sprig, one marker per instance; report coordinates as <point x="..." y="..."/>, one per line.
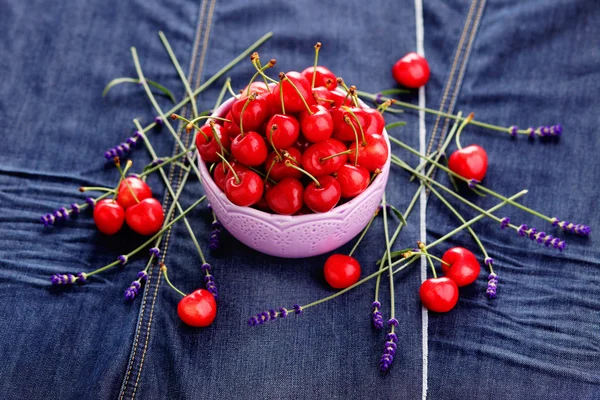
<point x="377" y="317"/>
<point x="270" y="315"/>
<point x="132" y="291"/>
<point x="124" y="148"/>
<point x="579" y="229"/>
<point x="209" y="281"/>
<point x="63" y="213"/>
<point x="389" y="350"/>
<point x="215" y="236"/>
<point x="492" y="285"/>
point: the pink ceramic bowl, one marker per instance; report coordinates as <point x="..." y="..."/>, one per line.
<point x="295" y="236"/>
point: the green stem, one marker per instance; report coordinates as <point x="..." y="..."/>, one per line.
<point x="362" y="132"/>
<point x="281" y="99"/>
<point x="167" y="161"/>
<point x="216" y="76"/>
<point x="186" y="84"/>
<point x="172" y="193"/>
<point x="124" y="179"/>
<point x="164" y="271"/>
<point x="336" y="155"/>
<point x="96" y="189"/>
<point x="426" y="254"/>
<point x="288" y="163"/>
<point x="285" y="78"/>
<point x="394" y="125"/>
<point x="362" y="235"/>
<point x="237" y="178"/>
<point x="389" y="251"/>
<point x="259" y="67"/>
<point x="314" y="77"/>
<point x="477" y="186"/>
<point x="118" y="81"/>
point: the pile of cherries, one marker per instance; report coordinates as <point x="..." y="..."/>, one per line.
<point x="133" y="204"/>
<point x="294" y="147"/>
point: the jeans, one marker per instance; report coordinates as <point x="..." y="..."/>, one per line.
<point x="510" y="62"/>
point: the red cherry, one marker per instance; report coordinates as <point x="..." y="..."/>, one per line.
<point x="139" y="187"/>
<point x="274" y="102"/>
<point x="198" y="309"/>
<point x="221" y="172"/>
<point x="469" y="162"/>
<point x="439" y="294"/>
<point x="256" y="112"/>
<point x="353" y="180"/>
<point x="232" y="129"/>
<point x="324" y="77"/>
<point x="340" y="99"/>
<point x="323" y="198"/>
<point x="374" y="122"/>
<point x="341" y="271"/>
<point x="317" y="126"/>
<point x="464" y="267"/>
<point x="287" y="132"/>
<point x="108" y="216"/>
<point x="342" y="130"/>
<point x="255" y="87"/>
<point x="411" y="71"/>
<point x="146" y="217"/>
<point x="245" y="192"/>
<point x="249" y="149"/>
<point x="208" y="149"/>
<point x="286" y="196"/>
<point x="323" y="97"/>
<point x="373" y="155"/>
<point x="291" y="99"/>
<point x="262" y="203"/>
<point x="311" y="159"/>
<point x="279" y="169"/>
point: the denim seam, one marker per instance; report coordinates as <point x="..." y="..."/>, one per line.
<point x="450" y="78"/>
<point x="188" y="135"/>
<point x="141" y="317"/>
<point x="462" y="70"/>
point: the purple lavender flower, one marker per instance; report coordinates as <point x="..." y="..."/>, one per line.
<point x="542" y="238"/>
<point x="75" y="209"/>
<point x="81" y="277"/>
<point x="154" y="251"/>
<point x="492" y="285"/>
<point x="376" y="315"/>
<point x="142" y="275"/>
<point x="512" y="131"/>
<point x="122" y="259"/>
<point x="159" y="121"/>
<point x="205" y="267"/>
<point x="504" y="222"/>
<point x="297" y="309"/>
<point x="62" y="279"/>
<point x="266" y="316"/>
<point x="579" y="229"/>
<point x="488" y="261"/>
<point x="90" y="201"/>
<point x="389" y="352"/>
<point x="473" y="183"/>
<point x="124" y="148"/>
<point x="378" y="99"/>
<point x="132" y="290"/>
<point x="531" y="132"/>
<point x="209" y="281"/>
<point x="215" y="237"/>
<point x="522" y="229"/>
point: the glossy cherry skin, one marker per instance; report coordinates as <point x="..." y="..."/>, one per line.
<point x="341" y="271"/>
<point x="255" y="114"/>
<point x="470" y="162"/>
<point x="262" y="203"/>
<point x="274" y="102"/>
<point x="439" y="294"/>
<point x="323" y="198"/>
<point x="464" y="268"/>
<point x="340" y="99"/>
<point x="232" y="129"/>
<point x="279" y="169"/>
<point x="342" y="130"/>
<point x="317" y="126"/>
<point x="197" y="309"/>
<point x="411" y="71"/>
<point x="208" y="149"/>
<point x="353" y="180"/>
<point x="287" y="132"/>
<point x="248" y="191"/>
<point x="372" y="156"/>
<point x="324" y="77"/>
<point x="285" y="197"/>
<point x="146" y="217"/>
<point x="374" y="122"/>
<point x="139" y="187"/>
<point x="221" y="172"/>
<point x="249" y="149"/>
<point x="255" y="87"/>
<point x="108" y="216"/>
<point x="324" y="97"/>
<point x="311" y="159"/>
<point x="291" y="99"/>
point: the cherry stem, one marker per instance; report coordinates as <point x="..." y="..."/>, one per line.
<point x="285" y="78"/>
<point x="462" y="126"/>
<point x="167" y="161"/>
<point x="260" y="71"/>
<point x="288" y="163"/>
<point x="123" y="179"/>
<point x="350" y="91"/>
<point x="257" y="61"/>
<point x="281" y="97"/>
<point x="364" y="232"/>
<point x="230" y="89"/>
<point x="347" y="120"/>
<point x="424" y="250"/>
<point x="478" y="186"/>
<point x="336" y="155"/>
<point x="174" y="196"/>
<point x="265" y="76"/>
<point x="317" y="99"/>
<point x="217" y="138"/>
<point x="96" y="188"/>
<point x="375" y="174"/>
<point x="430" y="256"/>
<point x="189" y="123"/>
<point x="248" y="100"/>
<point x="186" y="84"/>
<point x="116" y="192"/>
<point x="163" y="268"/>
<point x="237" y="178"/>
<point x="269" y="170"/>
<point x="273" y="129"/>
<point x="155" y="236"/>
<point x="389" y="256"/>
<point x="314" y="77"/>
<point x="362" y="133"/>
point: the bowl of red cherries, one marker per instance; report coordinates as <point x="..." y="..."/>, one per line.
<point x="294" y="167"/>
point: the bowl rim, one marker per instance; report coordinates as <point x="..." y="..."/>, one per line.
<point x="207" y="179"/>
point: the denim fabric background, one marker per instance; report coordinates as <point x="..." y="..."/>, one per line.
<point x="530" y="63"/>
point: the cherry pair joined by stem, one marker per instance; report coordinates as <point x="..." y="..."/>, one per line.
<point x="208" y="146"/>
<point x="140" y="190"/>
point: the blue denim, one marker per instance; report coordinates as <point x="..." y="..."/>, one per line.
<point x="518" y="63"/>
